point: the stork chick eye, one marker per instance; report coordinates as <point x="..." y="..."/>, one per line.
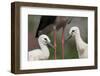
<point x="45" y="39"/>
<point x="73" y="30"/>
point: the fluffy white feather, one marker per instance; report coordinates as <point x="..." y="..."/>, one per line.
<point x="43" y="52"/>
<point x="82" y="47"/>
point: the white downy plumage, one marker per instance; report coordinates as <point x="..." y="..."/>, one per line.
<point x="43" y="52"/>
<point x="82" y="47"/>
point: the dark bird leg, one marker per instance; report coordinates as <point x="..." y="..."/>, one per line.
<point x="63" y="43"/>
<point x="54" y="27"/>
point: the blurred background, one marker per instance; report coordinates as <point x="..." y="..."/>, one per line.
<point x="70" y="46"/>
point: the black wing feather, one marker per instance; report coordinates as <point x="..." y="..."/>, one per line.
<point x="44" y="22"/>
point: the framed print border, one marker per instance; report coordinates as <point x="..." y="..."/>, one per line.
<point x="15" y="37"/>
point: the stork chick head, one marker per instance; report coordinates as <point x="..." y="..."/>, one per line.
<point x="44" y="39"/>
<point x="74" y="31"/>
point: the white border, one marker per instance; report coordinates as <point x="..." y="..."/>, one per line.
<point x="25" y="64"/>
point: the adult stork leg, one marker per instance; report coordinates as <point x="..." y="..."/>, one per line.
<point x="54" y="42"/>
<point x="63" y="43"/>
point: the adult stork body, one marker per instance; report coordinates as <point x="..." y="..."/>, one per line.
<point x="43" y="52"/>
<point x="53" y="23"/>
<point x="81" y="46"/>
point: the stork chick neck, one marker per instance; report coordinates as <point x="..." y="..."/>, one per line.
<point x="44" y="49"/>
<point x="79" y="42"/>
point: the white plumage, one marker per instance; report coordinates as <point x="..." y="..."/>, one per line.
<point x="81" y="46"/>
<point x="43" y="52"/>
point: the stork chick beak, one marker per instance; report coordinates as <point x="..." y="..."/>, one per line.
<point x="69" y="37"/>
<point x="50" y="45"/>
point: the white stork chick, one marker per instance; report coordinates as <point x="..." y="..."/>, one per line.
<point x="43" y="52"/>
<point x="81" y="46"/>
